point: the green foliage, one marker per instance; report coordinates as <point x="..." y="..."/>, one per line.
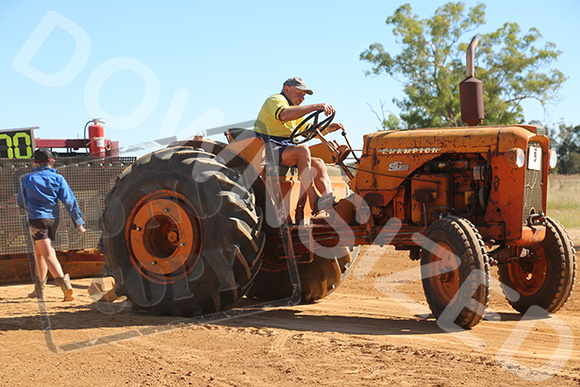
<point x="567" y="145"/>
<point x="390" y="122"/>
<point x="511" y="72"/>
<point x="430" y="66"/>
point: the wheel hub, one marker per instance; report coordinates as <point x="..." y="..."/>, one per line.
<point x="529" y="274"/>
<point x="446" y="274"/>
<point x="164" y="236"/>
<point x="443" y="273"/>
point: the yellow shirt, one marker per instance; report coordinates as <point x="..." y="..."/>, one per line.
<point x="268" y="121"/>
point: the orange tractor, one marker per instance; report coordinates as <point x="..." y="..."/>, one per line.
<point x="192" y="228"/>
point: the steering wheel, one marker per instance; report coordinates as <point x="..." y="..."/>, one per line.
<point x="309" y="132"/>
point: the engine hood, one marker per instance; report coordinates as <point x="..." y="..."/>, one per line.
<point x="446" y="140"/>
<point x="390" y="156"/>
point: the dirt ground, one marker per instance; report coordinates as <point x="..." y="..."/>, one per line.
<point x="373" y="330"/>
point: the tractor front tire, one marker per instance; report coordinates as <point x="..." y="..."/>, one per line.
<point x="455" y="273"/>
<point x="547" y="281"/>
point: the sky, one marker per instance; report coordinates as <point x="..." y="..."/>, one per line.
<point x="154" y="70"/>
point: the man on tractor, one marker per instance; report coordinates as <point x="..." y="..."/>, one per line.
<point x="279" y="117"/>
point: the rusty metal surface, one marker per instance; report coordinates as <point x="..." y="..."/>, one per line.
<point x="78" y="264"/>
<point x="471" y="101"/>
<point x="90" y="180"/>
<point x="533" y="187"/>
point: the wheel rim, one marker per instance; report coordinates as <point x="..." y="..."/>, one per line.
<point x="443" y="273"/>
<point x="163" y="235"/>
<point x="529" y="277"/>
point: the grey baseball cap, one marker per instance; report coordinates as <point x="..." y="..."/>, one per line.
<point x="43" y="155"/>
<point x="299" y="84"/>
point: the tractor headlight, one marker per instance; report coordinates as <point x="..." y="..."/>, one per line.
<point x="516" y="157"/>
<point x="553" y="158"/>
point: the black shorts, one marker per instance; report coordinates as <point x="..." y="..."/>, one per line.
<point x="43" y="228"/>
<point x="275" y="145"/>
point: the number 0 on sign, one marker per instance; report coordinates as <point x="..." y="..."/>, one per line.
<point x="17" y="143"/>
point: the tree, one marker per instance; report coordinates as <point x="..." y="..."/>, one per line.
<point x="430" y="66"/>
<point x="568" y="149"/>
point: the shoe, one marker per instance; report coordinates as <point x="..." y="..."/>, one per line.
<point x="38" y="291"/>
<point x="323" y="203"/>
<point x="322" y="210"/>
<point x="66" y="287"/>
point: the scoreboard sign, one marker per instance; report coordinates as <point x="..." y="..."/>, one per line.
<point x="17" y="143"/>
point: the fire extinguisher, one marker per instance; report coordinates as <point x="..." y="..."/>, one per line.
<point x="97" y="140"/>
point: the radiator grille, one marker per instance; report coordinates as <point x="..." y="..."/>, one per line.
<point x="90" y="180"/>
<point x="532" y="187"/>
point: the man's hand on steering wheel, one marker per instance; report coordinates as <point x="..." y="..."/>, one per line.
<point x="328" y="109"/>
<point x="308" y="130"/>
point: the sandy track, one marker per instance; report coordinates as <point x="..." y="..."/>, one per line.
<point x="373" y="330"/>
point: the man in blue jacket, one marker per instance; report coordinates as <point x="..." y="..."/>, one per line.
<point x="39" y="194"/>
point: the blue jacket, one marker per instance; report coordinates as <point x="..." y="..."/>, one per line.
<point x="39" y="193"/>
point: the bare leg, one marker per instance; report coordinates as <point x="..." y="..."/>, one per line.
<point x="40" y="264"/>
<point x="321" y="179"/>
<point x="46" y="259"/>
<point x="311" y="171"/>
<point x="40" y="271"/>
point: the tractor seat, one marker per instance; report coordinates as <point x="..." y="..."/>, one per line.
<point x="238" y="134"/>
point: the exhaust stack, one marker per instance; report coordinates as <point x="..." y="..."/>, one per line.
<point x="471" y="90"/>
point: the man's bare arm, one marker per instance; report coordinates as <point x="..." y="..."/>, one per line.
<point x="294" y="112"/>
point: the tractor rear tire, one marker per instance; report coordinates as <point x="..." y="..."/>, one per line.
<point x="455" y="273"/>
<point x="318" y="278"/>
<point x="547" y="282"/>
<point x="181" y="234"/>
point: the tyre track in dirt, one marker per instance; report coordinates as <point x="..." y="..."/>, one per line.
<point x="356" y="336"/>
<point x="536" y="348"/>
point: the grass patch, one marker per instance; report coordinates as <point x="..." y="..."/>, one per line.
<point x="564" y="199"/>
